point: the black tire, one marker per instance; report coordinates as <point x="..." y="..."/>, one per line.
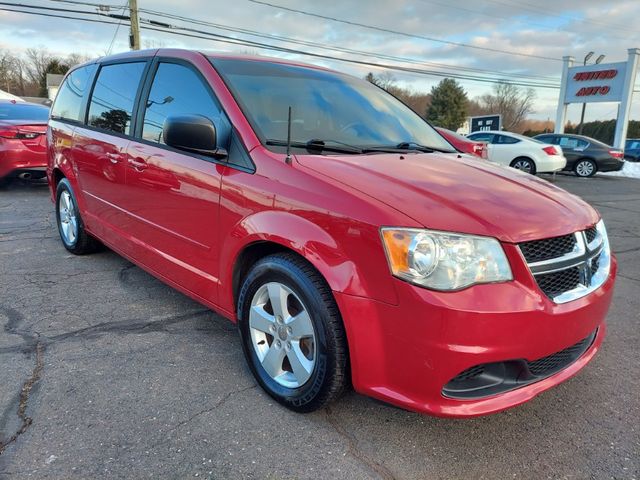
<point x="585" y="168"/>
<point x="83" y="242"/>
<point x="520" y="162"/>
<point x="330" y="374"/>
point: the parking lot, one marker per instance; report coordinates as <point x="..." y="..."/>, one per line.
<point x="108" y="372"/>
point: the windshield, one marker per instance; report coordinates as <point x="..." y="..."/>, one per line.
<point x="26" y="111"/>
<point x="327" y="106"/>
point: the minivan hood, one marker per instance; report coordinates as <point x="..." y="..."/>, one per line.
<point x="460" y="194"/>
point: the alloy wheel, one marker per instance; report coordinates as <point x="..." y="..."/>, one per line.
<point x="524" y="165"/>
<point x="282" y="335"/>
<point x="68" y="218"/>
<point x="584" y="168"/>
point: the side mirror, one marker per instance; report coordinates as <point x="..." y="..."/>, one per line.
<point x="192" y="133"/>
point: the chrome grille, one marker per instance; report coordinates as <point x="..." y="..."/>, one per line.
<point x="570" y="266"/>
<point x="540" y="250"/>
<point x="555" y="283"/>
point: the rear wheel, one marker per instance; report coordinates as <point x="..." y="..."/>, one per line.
<point x="585" y="168"/>
<point x="70" y="226"/>
<point x="525" y="164"/>
<point x="292" y="334"/>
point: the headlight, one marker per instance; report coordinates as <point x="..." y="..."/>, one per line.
<point x="444" y="261"/>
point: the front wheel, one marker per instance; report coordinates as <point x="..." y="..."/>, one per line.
<point x="525" y="164"/>
<point x="292" y="334"/>
<point x="585" y="168"/>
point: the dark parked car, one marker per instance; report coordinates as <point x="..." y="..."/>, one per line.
<point x="585" y="155"/>
<point x="23" y="150"/>
<point x="632" y="150"/>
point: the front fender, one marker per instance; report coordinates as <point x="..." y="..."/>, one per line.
<point x="341" y="257"/>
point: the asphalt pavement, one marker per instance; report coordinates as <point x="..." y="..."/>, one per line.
<point x="105" y="372"/>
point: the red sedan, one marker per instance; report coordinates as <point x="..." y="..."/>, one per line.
<point x="23" y="150"/>
<point x="347" y="239"/>
<point x="463" y="144"/>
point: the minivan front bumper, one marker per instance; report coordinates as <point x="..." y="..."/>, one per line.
<point x="406" y="354"/>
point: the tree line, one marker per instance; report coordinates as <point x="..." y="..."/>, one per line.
<point x="448" y="105"/>
<point x="26" y="74"/>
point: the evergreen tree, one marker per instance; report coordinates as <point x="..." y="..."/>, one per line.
<point x="448" y="105"/>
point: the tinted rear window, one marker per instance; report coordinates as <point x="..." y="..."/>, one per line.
<point x="113" y="96"/>
<point x="68" y="104"/>
<point x="23" y="111"/>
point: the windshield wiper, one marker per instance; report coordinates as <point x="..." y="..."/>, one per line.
<point x="319" y="145"/>
<point x="421" y="148"/>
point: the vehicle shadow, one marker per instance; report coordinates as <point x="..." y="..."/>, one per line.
<point x="9" y="184"/>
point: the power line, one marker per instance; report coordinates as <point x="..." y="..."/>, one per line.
<point x="543" y="11"/>
<point x="113" y="39"/>
<point x="404" y="34"/>
<point x="504" y="17"/>
<point x="195" y="33"/>
<point x="344" y="49"/>
<point x="52" y="15"/>
<point x="502" y="76"/>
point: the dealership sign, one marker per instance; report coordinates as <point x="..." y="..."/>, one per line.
<point x="485" y="123"/>
<point x="610" y="82"/>
<point x="596" y="83"/>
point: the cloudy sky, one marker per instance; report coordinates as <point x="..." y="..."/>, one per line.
<point x="523" y="41"/>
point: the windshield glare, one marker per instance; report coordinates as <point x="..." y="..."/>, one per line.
<point x="325" y="106"/>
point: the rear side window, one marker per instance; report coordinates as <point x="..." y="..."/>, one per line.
<point x="178" y="90"/>
<point x="504" y="140"/>
<point x="113" y="96"/>
<point x="68" y="104"/>
<point x="570" y="142"/>
<point x="547" y="139"/>
<point x="481" y="137"/>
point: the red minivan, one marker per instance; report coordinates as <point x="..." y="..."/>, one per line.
<point x="345" y="237"/>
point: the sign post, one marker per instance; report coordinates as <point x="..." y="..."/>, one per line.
<point x="611" y="82"/>
<point x="625" y="106"/>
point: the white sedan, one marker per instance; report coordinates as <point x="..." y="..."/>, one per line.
<point x="518" y="151"/>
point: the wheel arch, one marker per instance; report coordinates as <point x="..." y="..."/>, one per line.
<point x="270" y="232"/>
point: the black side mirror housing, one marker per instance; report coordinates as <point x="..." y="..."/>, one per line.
<point x="192" y="133"/>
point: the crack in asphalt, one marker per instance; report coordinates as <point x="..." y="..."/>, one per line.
<point x="123" y="274"/>
<point x="24" y="398"/>
<point x="31" y="343"/>
<point x="629" y="278"/>
<point x="35" y="342"/>
<point x="615" y="207"/>
<point x="121" y="326"/>
<point x="629" y="250"/>
<point x="217" y="405"/>
<point x="355" y="451"/>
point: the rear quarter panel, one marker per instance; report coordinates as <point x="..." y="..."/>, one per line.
<point x="59" y="155"/>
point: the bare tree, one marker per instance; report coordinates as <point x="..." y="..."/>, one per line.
<point x="74" y="59"/>
<point x="10" y="67"/>
<point x="418" y="102"/>
<point x="37" y="61"/>
<point x="510" y="101"/>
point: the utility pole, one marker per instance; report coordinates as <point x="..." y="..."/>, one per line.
<point x="134" y="36"/>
